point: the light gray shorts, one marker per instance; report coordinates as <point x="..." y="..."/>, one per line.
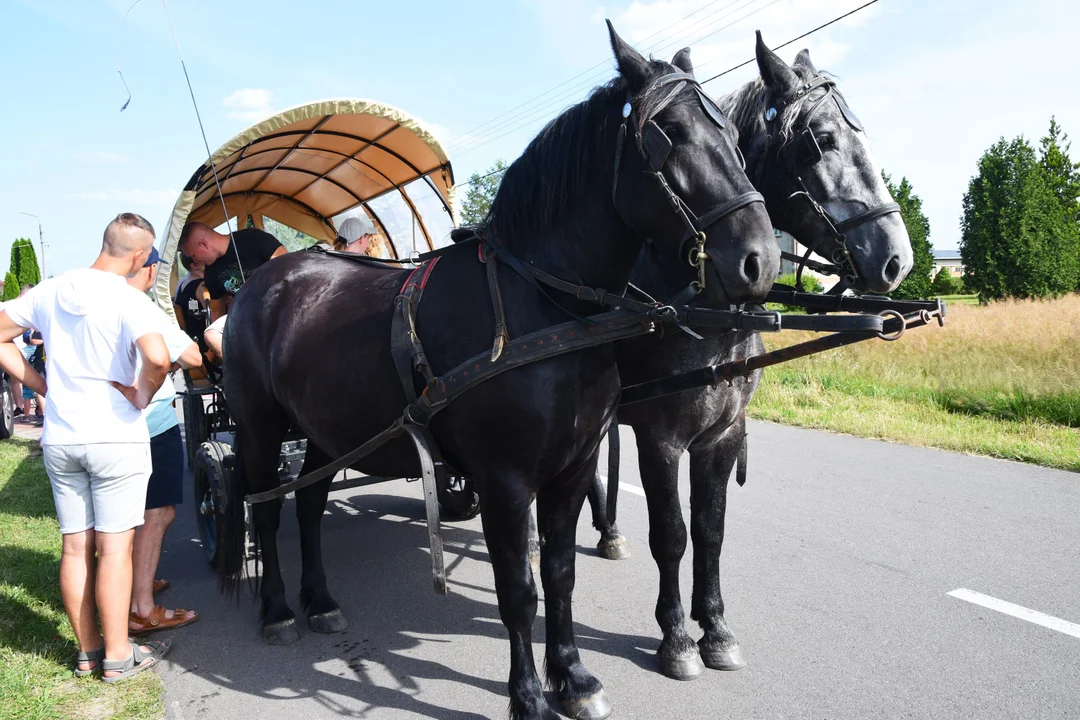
<point x="100" y="486"/>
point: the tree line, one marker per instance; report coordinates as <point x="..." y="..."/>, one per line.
<point x="1021" y="220"/>
<point x="23" y="269"/>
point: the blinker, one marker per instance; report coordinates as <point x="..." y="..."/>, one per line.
<point x="657" y="146"/>
<point x="848" y="114"/>
<point x="711" y="108"/>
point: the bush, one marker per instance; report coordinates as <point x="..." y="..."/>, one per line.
<point x="944" y="284"/>
<point x="11" y="287"/>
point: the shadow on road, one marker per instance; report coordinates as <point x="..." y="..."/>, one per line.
<point x="379" y="571"/>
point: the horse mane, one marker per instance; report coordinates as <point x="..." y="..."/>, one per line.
<point x="747" y="106"/>
<point x="559" y="166"/>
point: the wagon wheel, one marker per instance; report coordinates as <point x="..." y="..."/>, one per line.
<point x="458" y="497"/>
<point x="196" y="430"/>
<point x="212" y="473"/>
<point x="7" y="422"/>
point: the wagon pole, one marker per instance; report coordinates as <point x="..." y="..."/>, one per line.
<point x="41" y="241"/>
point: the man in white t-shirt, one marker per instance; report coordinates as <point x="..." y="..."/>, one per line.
<point x="96" y="445"/>
<point x="166" y="487"/>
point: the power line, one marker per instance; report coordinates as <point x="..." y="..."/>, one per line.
<point x="470" y="181"/>
<point x="583" y="72"/>
<point x="530" y="117"/>
<point x="792" y="40"/>
<point x="527" y="118"/>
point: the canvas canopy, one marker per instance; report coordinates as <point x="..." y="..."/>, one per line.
<point x="310" y="167"/>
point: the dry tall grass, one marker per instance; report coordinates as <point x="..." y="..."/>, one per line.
<point x="1010" y="362"/>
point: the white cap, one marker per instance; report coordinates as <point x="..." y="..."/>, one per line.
<point x="353" y="228"/>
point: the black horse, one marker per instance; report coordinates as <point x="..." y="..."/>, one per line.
<point x="773" y="114"/>
<point x="308" y="345"/>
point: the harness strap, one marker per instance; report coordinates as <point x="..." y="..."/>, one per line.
<point x="502" y="335"/>
<point x="871" y="214"/>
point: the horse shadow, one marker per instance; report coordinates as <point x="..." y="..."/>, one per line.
<point x="402" y="637"/>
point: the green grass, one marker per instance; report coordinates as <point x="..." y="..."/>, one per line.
<point x="1001" y="380"/>
<point x="961" y="299"/>
<point x="36" y="642"/>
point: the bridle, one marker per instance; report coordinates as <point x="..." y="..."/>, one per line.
<point x="656" y="147"/>
<point x="804" y="152"/>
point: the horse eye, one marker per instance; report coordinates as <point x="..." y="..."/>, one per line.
<point x="826" y="141"/>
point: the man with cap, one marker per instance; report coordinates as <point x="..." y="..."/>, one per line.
<point x="165" y="489"/>
<point x="228" y="262"/>
<point x="357" y="234"/>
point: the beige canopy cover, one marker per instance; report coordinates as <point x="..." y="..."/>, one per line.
<point x="308" y="164"/>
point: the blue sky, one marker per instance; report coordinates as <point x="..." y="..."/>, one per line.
<point x="935" y="83"/>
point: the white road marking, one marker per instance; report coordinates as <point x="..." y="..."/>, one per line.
<point x="623" y="485"/>
<point x="1017" y="611"/>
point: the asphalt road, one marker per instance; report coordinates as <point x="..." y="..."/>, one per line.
<point x="839" y="555"/>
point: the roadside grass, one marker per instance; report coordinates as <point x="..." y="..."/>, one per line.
<point x="961" y="299"/>
<point x="36" y="641"/>
<point x="1001" y="379"/>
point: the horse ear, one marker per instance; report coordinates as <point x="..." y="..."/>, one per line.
<point x="774" y="71"/>
<point x="632" y="65"/>
<point x="682" y="61"/>
<point x="803" y="60"/>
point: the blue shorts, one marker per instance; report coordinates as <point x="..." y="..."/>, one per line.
<point x="166" y="486"/>
<point x="27" y="393"/>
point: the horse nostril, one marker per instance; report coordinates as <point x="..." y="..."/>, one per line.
<point x="752" y="268"/>
<point x="892" y="269"/>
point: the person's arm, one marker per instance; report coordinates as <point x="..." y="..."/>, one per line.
<point x="14" y="364"/>
<point x="279" y="252"/>
<point x="190" y="358"/>
<point x="218" y="308"/>
<point x="179" y="313"/>
<point x="155" y="368"/>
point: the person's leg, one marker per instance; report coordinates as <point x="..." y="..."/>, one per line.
<point x="114" y="590"/>
<point x="164" y="491"/>
<point x="75" y="511"/>
<point x="77" y="590"/>
<point x="147" y="552"/>
<point x="119" y="473"/>
<point x="16" y="394"/>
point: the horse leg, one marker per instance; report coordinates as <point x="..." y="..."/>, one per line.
<point x="260" y="453"/>
<point x="659" y="463"/>
<point x="505" y="515"/>
<point x="558" y="506"/>
<point x="710" y="468"/>
<point x="324" y="614"/>
<point x="612" y="545"/>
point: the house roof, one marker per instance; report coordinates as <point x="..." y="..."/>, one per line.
<point x="946" y="254"/>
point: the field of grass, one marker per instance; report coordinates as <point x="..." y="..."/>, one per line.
<point x="36" y="642"/>
<point x="1000" y="380"/>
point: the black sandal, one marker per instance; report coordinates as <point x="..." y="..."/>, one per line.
<point x="136" y="662"/>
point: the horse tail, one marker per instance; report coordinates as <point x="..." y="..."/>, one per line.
<point x="232" y="529"/>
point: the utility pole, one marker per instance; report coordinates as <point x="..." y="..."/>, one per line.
<point x="41" y="241"/>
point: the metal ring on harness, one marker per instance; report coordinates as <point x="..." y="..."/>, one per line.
<point x="899" y="333"/>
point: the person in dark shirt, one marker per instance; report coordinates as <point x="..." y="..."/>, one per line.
<point x="189" y="303"/>
<point x="224" y="275"/>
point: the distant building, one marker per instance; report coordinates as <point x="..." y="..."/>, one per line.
<point x="948" y="259"/>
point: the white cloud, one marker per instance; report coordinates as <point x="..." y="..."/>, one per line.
<point x="132" y="196"/>
<point x="101" y="157"/>
<point x="249" y="104"/>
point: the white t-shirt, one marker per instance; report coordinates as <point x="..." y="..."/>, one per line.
<point x="89" y="320"/>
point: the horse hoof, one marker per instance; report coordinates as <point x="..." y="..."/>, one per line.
<point x="731" y="659"/>
<point x="614" y="548"/>
<point x="281" y="633"/>
<point x="594" y="707"/>
<point x="328" y="622"/>
<point x="682" y="668"/>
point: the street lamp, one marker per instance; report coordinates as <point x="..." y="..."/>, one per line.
<point x="41" y="240"/>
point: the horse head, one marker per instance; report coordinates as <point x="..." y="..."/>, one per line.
<point x="812" y="161"/>
<point x="680" y="183"/>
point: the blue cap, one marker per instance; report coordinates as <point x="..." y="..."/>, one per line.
<point x="153" y="257"/>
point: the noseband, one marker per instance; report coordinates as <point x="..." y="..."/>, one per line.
<point x="656" y="147"/>
<point x="804" y="152"/>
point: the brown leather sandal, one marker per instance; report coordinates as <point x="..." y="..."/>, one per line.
<point x="160" y="586"/>
<point x="156" y="620"/>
